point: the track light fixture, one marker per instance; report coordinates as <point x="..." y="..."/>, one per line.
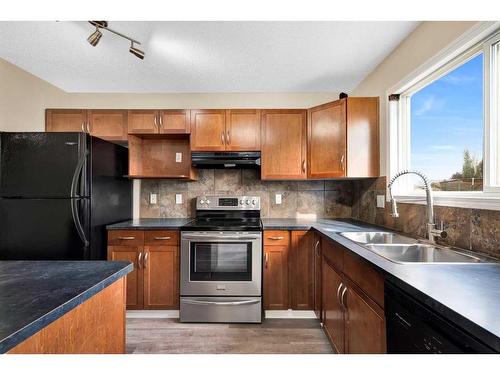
<point x="94" y="38"/>
<point x="136" y="51"/>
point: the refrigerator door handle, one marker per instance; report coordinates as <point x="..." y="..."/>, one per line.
<point x="76" y="175"/>
<point x="78" y="223"/>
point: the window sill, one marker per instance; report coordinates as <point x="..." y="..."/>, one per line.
<point x="479" y="200"/>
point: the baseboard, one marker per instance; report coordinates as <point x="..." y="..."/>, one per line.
<point x="290" y="314"/>
<point x="153" y="314"/>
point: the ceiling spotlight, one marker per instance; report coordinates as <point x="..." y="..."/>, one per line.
<point x="136" y="51"/>
<point x="94" y="38"/>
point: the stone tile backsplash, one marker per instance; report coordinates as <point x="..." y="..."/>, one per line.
<point x="321" y="199"/>
<point x="471" y="229"/>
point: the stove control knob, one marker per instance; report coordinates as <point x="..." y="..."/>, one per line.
<point x="208" y="201"/>
<point x="247" y="202"/>
<point x="253" y="202"/>
<point x="242" y="201"/>
<point x="202" y="201"/>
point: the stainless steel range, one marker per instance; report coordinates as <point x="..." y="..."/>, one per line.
<point x="221" y="261"/>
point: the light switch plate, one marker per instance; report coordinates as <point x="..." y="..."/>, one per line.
<point x="178" y="198"/>
<point x="380" y="201"/>
<point x="153" y="198"/>
<point x="278" y="199"/>
<point x="178" y="157"/>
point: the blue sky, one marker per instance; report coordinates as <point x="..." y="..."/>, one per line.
<point x="446" y="118"/>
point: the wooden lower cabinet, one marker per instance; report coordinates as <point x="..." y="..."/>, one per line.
<point x="276" y="277"/>
<point x="365" y="324"/>
<point x="353" y="316"/>
<point x="161" y="277"/>
<point x="317" y="275"/>
<point x="302" y="270"/>
<point x="333" y="313"/>
<point x="154" y="282"/>
<point x="134" y="294"/>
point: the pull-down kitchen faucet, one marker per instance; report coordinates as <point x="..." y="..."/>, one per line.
<point x="432" y="232"/>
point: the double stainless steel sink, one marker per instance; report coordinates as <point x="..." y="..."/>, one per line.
<point x="402" y="249"/>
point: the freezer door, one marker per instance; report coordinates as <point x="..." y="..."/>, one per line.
<point x="42" y="165"/>
<point x="43" y="229"/>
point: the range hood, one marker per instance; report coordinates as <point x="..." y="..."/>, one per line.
<point x="225" y="159"/>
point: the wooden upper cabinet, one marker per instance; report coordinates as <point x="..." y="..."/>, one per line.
<point x="242" y="130"/>
<point x="65" y="120"/>
<point x="108" y="124"/>
<point x="208" y="129"/>
<point x="161" y="277"/>
<point x="327" y="140"/>
<point x="302" y="270"/>
<point x="365" y="325"/>
<point x="174" y="121"/>
<point x="143" y="122"/>
<point x="333" y="312"/>
<point x="283" y="137"/>
<point x="363" y="153"/>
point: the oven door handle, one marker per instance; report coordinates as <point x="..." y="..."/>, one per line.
<point x="214" y="303"/>
<point x="212" y="237"/>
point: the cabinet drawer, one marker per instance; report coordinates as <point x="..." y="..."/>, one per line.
<point x="368" y="279"/>
<point x="126" y="237"/>
<point x="161" y="237"/>
<point x="276" y="237"/>
<point x="333" y="253"/>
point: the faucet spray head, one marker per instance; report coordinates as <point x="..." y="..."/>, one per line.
<point x="394" y="208"/>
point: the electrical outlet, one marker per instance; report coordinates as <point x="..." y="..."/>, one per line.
<point x="153" y="198"/>
<point x="178" y="157"/>
<point x="278" y="199"/>
<point x="178" y="198"/>
<point x="380" y="201"/>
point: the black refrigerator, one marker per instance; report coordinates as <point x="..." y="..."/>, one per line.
<point x="58" y="191"/>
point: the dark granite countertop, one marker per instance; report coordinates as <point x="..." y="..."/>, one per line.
<point x="466" y="294"/>
<point x="33" y="294"/>
<point x="288" y="224"/>
<point x="145" y="224"/>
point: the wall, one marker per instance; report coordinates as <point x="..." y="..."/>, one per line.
<point x="314" y="199"/>
<point x="422" y="44"/>
<point x="24" y="98"/>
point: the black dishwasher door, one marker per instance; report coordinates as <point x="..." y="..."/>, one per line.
<point x="412" y="328"/>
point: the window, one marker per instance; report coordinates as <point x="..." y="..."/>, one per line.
<point x="445" y="123"/>
<point x="447" y="129"/>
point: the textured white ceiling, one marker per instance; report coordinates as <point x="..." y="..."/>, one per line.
<point x="203" y="56"/>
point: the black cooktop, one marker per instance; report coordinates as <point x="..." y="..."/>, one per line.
<point x="224" y="224"/>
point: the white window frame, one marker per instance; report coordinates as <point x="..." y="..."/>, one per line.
<point x="479" y="39"/>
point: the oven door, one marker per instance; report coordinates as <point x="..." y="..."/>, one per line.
<point x="221" y="263"/>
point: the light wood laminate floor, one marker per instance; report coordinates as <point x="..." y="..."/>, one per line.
<point x="168" y="336"/>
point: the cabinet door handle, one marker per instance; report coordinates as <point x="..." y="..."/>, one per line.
<point x="160" y="120"/>
<point x="162" y="238"/>
<point x="338" y="293"/>
<point x="342" y="162"/>
<point x="275" y="238"/>
<point x="83" y="126"/>
<point x="266" y="258"/>
<point x="304" y="166"/>
<point x="156" y="124"/>
<point x="126" y="238"/>
<point x="139" y="257"/>
<point x="89" y="128"/>
<point x="227" y="138"/>
<point x="316" y="248"/>
<point x="222" y="137"/>
<point x="146" y="256"/>
<point x="342" y="300"/>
